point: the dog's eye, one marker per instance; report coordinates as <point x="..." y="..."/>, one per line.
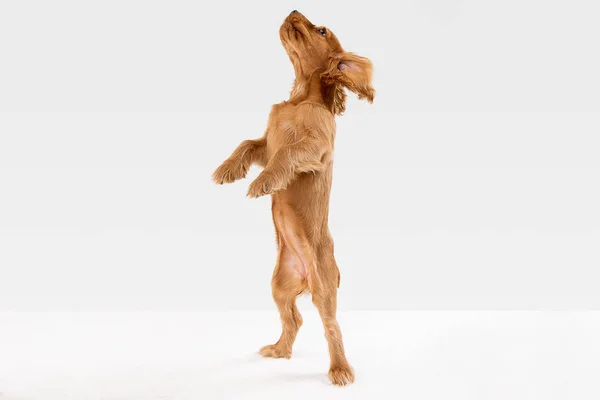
<point x="322" y="31"/>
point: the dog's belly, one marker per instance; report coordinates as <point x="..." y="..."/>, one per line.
<point x="293" y="262"/>
<point x="293" y="245"/>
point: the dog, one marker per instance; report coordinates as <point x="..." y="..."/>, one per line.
<point x="296" y="153"/>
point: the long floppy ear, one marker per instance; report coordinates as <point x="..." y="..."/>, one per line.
<point x="352" y="71"/>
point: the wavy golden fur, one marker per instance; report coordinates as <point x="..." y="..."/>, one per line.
<point x="296" y="153"/>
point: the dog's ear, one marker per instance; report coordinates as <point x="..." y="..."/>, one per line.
<point x="353" y="72"/>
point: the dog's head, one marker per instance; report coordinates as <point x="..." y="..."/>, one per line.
<point x="314" y="48"/>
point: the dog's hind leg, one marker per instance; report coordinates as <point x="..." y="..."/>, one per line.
<point x="325" y="299"/>
<point x="286" y="286"/>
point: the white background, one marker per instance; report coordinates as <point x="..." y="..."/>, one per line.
<point x="472" y="182"/>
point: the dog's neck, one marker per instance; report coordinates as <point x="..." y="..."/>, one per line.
<point x="307" y="87"/>
<point x="311" y="88"/>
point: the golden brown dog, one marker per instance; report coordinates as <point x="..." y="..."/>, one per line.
<point x="296" y="153"/>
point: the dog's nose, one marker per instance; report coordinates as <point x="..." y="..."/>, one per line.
<point x="294" y="12"/>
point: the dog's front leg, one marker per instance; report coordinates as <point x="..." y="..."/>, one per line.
<point x="306" y="155"/>
<point x="236" y="166"/>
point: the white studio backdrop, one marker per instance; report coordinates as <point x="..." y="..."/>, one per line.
<point x="472" y="182"/>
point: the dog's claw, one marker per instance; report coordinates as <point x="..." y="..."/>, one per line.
<point x="341" y="376"/>
<point x="275" y="351"/>
<point x="228" y="173"/>
<point x="261" y="186"/>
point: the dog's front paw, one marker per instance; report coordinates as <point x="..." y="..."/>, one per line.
<point x="264" y="184"/>
<point x="275" y="351"/>
<point x="341" y="375"/>
<point x="228" y="172"/>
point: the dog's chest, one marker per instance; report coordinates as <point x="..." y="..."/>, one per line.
<point x="283" y="130"/>
<point x="287" y="129"/>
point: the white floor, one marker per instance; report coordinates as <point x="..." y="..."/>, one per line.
<point x="396" y="355"/>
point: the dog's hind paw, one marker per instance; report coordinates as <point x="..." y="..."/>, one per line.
<point x="341" y="376"/>
<point x="275" y="351"/>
